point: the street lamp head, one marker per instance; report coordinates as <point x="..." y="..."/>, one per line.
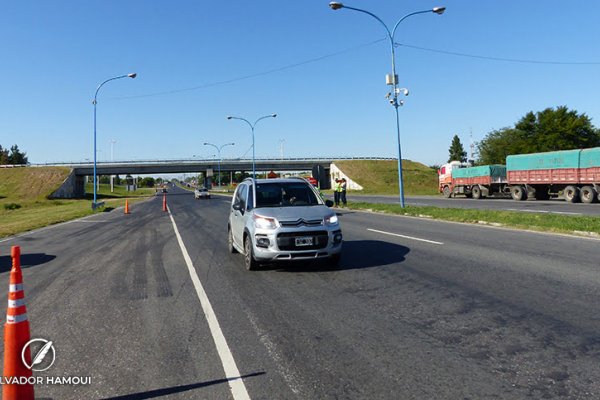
<point x="336" y="5"/>
<point x="273" y="115"/>
<point x="206" y="144"/>
<point x="132" y="75"/>
<point x="229" y="117"/>
<point x="439" y="10"/>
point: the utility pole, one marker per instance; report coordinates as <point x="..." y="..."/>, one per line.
<point x="472" y="158"/>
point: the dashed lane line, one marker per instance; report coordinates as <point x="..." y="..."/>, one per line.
<point x="405" y="237"/>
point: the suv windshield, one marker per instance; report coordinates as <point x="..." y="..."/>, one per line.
<point x="285" y="194"/>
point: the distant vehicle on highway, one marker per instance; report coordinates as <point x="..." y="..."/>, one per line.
<point x="201" y="193"/>
<point x="279" y="220"/>
<point x="572" y="174"/>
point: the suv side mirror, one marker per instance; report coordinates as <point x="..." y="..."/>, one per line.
<point x="329" y="203"/>
<point x="237" y="206"/>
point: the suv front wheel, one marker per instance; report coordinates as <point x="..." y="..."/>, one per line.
<point x="230" y="245"/>
<point x="249" y="261"/>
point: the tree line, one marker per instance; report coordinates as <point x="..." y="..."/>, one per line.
<point x="13" y="156"/>
<point x="552" y="129"/>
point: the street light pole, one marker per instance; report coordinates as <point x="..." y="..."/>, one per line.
<point x="219" y="148"/>
<point x="281" y="146"/>
<point x="112" y="145"/>
<point x="95" y="204"/>
<point x="393" y="79"/>
<point x="252" y="128"/>
<point x="112" y="158"/>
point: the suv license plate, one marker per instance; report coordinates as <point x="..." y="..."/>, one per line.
<point x="304" y="241"/>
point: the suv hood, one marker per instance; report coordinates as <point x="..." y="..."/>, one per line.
<point x="291" y="214"/>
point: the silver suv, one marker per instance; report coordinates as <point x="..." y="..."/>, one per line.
<point x="274" y="220"/>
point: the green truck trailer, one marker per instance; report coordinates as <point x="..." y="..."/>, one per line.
<point x="473" y="182"/>
<point x="572" y="174"/>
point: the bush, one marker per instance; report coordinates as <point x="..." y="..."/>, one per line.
<point x="12" y="206"/>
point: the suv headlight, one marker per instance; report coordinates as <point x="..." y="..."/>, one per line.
<point x="264" y="222"/>
<point x="331" y="220"/>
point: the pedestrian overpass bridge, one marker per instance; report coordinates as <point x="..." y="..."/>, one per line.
<point x="74" y="185"/>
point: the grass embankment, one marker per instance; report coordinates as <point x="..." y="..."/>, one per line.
<point x="24" y="203"/>
<point x="381" y="176"/>
<point x="538" y="222"/>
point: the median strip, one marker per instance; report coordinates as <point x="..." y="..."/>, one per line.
<point x="533" y="221"/>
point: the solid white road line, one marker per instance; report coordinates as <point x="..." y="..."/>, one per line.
<point x="404" y="236"/>
<point x="236" y="384"/>
<point x="543" y="211"/>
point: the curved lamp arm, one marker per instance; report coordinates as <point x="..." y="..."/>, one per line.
<point x="112" y="79"/>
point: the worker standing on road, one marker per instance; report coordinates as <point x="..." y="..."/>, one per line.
<point x="337" y="189"/>
<point x="343" y="186"/>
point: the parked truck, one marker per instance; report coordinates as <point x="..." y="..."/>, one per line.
<point x="473" y="182"/>
<point x="572" y="174"/>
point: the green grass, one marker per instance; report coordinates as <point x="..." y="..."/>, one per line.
<point x="30" y="184"/>
<point x="381" y="176"/>
<point x="514" y="219"/>
<point x="24" y="204"/>
<point x="120" y="191"/>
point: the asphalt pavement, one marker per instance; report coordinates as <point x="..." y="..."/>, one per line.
<point x="418" y="309"/>
<point x="553" y="206"/>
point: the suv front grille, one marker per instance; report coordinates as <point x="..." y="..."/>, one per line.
<point x="301" y="222"/>
<point x="287" y="241"/>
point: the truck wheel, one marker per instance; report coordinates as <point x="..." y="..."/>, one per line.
<point x="518" y="193"/>
<point x="571" y="194"/>
<point x="476" y="191"/>
<point x="588" y="194"/>
<point x="249" y="261"/>
<point x="447" y="192"/>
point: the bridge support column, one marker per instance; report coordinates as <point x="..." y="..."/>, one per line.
<point x="72" y="188"/>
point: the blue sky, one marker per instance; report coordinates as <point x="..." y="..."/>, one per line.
<point x="322" y="72"/>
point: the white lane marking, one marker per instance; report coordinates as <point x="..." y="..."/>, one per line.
<point x="236" y="383"/>
<point x="405" y="237"/>
<point x="543" y="211"/>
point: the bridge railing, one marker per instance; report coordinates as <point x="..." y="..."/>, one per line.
<point x="206" y="160"/>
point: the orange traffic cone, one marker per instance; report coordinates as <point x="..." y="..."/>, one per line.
<point x="164" y="202"/>
<point x="126" y="206"/>
<point x="16" y="335"/>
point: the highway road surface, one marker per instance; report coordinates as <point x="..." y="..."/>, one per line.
<point x="151" y="305"/>
<point x="554" y="206"/>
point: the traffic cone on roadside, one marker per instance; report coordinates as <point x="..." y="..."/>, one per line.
<point x="126" y="206"/>
<point x="164" y="202"/>
<point x="16" y="335"/>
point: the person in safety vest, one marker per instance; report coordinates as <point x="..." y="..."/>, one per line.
<point x="337" y="190"/>
<point x="343" y="191"/>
